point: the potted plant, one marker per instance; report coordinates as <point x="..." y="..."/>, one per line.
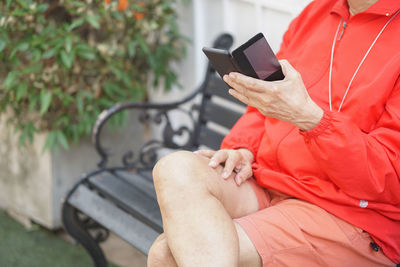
<point x="64" y="61"/>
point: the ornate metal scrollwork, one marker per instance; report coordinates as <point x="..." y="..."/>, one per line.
<point x="97" y="231"/>
<point x="148" y="153"/>
<point x="158" y="114"/>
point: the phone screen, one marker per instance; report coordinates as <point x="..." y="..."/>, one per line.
<point x="262" y="58"/>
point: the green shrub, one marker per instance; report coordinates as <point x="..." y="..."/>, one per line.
<point x="63" y="61"/>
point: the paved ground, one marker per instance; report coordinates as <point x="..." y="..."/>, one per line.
<point x="118" y="251"/>
<point x="122" y="253"/>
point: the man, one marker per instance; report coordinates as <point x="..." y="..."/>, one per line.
<point x="323" y="146"/>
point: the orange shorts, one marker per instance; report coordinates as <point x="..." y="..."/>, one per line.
<point x="291" y="232"/>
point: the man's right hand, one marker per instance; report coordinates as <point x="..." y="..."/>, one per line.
<point x="234" y="160"/>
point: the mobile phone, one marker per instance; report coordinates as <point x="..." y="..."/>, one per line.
<point x="254" y="58"/>
<point x="221" y="60"/>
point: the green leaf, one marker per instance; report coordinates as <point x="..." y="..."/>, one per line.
<point x="23" y="3"/>
<point x="50" y="141"/>
<point x="23" y="47"/>
<point x="32" y="69"/>
<point x="62" y="139"/>
<point x="48" y="54"/>
<point x="42" y="7"/>
<point x="45" y="100"/>
<point x="68" y="44"/>
<point x="132" y="49"/>
<point x="143" y="45"/>
<point x="75" y="24"/>
<point x="79" y="104"/>
<point x="11" y="79"/>
<point x="2" y="45"/>
<point x="36" y="55"/>
<point x="27" y="131"/>
<point x="22" y="90"/>
<point x="33" y="99"/>
<point x="93" y="20"/>
<point x="85" y="51"/>
<point x="66" y="59"/>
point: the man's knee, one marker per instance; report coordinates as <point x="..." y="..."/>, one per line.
<point x="177" y="169"/>
<point x="185" y="176"/>
<point x="160" y="254"/>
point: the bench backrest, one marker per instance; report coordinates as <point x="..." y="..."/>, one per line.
<point x="218" y="109"/>
<point x="219" y="112"/>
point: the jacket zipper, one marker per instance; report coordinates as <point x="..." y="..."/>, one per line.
<point x="343" y="28"/>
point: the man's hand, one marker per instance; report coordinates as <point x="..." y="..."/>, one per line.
<point x="234" y="160"/>
<point x="285" y="100"/>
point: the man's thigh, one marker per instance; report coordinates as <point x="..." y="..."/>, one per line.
<point x="185" y="172"/>
<point x="160" y="253"/>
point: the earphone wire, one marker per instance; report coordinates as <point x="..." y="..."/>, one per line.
<point x="359" y="66"/>
<point x="330" y="65"/>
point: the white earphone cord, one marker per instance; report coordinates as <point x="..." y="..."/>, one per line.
<point x="359" y="66"/>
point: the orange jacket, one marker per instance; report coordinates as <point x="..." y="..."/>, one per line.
<point x="349" y="164"/>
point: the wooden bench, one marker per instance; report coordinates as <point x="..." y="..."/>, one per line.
<point x="120" y="197"/>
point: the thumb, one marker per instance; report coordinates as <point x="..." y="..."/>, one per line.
<point x="288" y="69"/>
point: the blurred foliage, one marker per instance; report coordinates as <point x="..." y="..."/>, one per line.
<point x="64" y="61"/>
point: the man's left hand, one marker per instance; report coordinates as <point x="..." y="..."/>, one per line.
<point x="285" y="100"/>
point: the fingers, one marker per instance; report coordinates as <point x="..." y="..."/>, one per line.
<point x="230" y="158"/>
<point x="231" y="163"/>
<point x="287" y="69"/>
<point x="242" y="82"/>
<point x="219" y="157"/>
<point x="234" y="84"/>
<point x="205" y="152"/>
<point x="242" y="98"/>
<point x="245" y="173"/>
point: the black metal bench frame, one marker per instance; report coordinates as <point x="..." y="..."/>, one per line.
<point x="94" y="191"/>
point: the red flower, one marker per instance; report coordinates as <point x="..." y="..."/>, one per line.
<point x="139" y="15"/>
<point x="122" y="5"/>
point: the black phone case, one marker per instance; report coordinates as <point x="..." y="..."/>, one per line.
<point x="245" y="65"/>
<point x="221" y="60"/>
<point x="225" y="62"/>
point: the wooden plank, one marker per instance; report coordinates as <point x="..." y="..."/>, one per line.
<point x="220" y="115"/>
<point x="219" y="88"/>
<point x="130" y="198"/>
<point x="142" y="180"/>
<point x="113" y="218"/>
<point x="210" y="138"/>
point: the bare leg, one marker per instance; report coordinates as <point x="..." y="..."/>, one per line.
<point x="160" y="253"/>
<point x="197" y="207"/>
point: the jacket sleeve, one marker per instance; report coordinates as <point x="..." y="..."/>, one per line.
<point x="363" y="165"/>
<point x="247" y="132"/>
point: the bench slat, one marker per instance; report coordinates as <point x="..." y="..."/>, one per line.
<point x="129" y="197"/>
<point x="113" y="218"/>
<point x="144" y="181"/>
<point x="220" y="115"/>
<point x="210" y="138"/>
<point x="218" y="87"/>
